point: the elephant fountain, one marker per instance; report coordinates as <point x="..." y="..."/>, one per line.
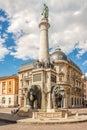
<point x="34" y="94"/>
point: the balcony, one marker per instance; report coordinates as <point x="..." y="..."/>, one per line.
<point x="26" y="77"/>
<point x="77" y="88"/>
<point x="63" y="82"/>
<point x="25" y="87"/>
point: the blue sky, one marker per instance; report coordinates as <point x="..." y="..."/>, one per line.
<point x="19" y="31"/>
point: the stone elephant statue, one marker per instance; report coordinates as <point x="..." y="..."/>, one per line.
<point x="56" y="97"/>
<point x="34" y="94"/>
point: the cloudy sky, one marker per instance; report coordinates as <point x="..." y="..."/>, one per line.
<point x="19" y="32"/>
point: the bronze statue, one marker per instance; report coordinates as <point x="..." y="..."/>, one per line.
<point x="45" y="11"/>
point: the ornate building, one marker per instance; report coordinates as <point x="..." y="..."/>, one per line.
<point x="9" y="91"/>
<point x="85" y="91"/>
<point x="54" y="81"/>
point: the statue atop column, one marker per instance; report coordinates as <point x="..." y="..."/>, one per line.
<point x="45" y="11"/>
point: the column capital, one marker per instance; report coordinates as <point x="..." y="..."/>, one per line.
<point x="45" y="22"/>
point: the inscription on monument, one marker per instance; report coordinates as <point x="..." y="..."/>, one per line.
<point x="37" y="77"/>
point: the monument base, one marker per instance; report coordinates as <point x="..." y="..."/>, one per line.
<point x="26" y="112"/>
<point x="51" y="113"/>
<point x="42" y="113"/>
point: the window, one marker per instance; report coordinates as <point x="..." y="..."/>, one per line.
<point x="60" y="68"/>
<point x="28" y="73"/>
<point x="3" y="89"/>
<point x="22" y="75"/>
<point x="9" y="89"/>
<point x="22" y="83"/>
<point x="9" y="82"/>
<point x="3" y="100"/>
<point x="85" y="96"/>
<point x="53" y="78"/>
<point x="60" y="78"/>
<point x="72" y="101"/>
<point x="9" y="100"/>
<point x="80" y="101"/>
<point x="76" y="83"/>
<point x="75" y="100"/>
<point x="3" y="83"/>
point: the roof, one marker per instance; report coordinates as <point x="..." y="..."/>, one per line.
<point x="72" y="63"/>
<point x="60" y="55"/>
<point x="56" y="55"/>
<point x="9" y="76"/>
<point x="27" y="66"/>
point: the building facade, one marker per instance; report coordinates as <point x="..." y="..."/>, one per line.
<point x="9" y="91"/>
<point x="66" y="76"/>
<point x="85" y="91"/>
<point x="54" y="81"/>
<point x="69" y="76"/>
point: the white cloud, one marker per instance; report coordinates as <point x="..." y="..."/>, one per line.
<point x="5" y="36"/>
<point x="26" y="47"/>
<point x="86" y="74"/>
<point x="85" y="62"/>
<point x="82" y="46"/>
<point x="22" y="22"/>
<point x="3" y="50"/>
<point x="77" y="13"/>
<point x="68" y="21"/>
<point x="2" y="19"/>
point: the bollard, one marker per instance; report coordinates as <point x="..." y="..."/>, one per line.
<point x="33" y="115"/>
<point x="66" y="115"/>
<point x="77" y="114"/>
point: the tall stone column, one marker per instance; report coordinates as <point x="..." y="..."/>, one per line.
<point x="44" y="42"/>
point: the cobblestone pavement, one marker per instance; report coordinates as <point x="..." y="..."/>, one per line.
<point x="76" y="126"/>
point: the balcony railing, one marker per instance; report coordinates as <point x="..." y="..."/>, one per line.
<point x="63" y="82"/>
<point x="25" y="86"/>
<point x="26" y="77"/>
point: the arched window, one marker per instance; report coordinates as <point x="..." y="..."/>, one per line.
<point x="3" y="100"/>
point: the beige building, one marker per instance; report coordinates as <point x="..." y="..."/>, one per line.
<point x="66" y="76"/>
<point x="54" y="81"/>
<point x="85" y="91"/>
<point x="9" y="91"/>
